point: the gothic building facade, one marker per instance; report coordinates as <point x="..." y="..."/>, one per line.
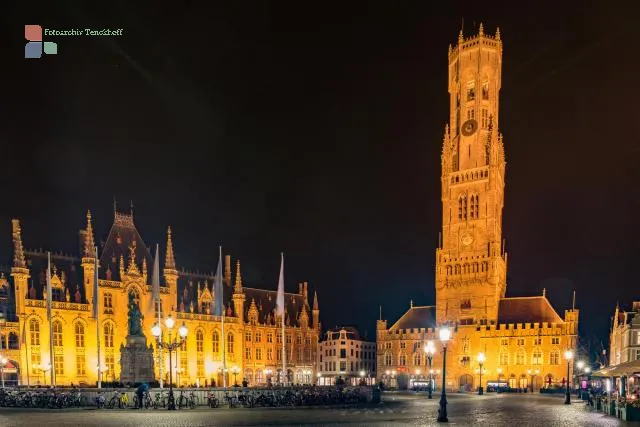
<point x="523" y="339"/>
<point x="253" y="339"/>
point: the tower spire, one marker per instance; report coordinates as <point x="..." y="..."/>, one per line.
<point x="238" y="286"/>
<point x="315" y="300"/>
<point x="169" y="262"/>
<point x="89" y="244"/>
<point x="481" y="30"/>
<point x="18" y="250"/>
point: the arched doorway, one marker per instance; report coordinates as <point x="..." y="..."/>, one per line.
<point x="466" y="382"/>
<point x="524" y="382"/>
<point x="10" y="372"/>
<point x="248" y="376"/>
<point x="537" y="383"/>
<point x="513" y="383"/>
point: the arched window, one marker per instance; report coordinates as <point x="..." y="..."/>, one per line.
<point x="230" y="343"/>
<point x="199" y="341"/>
<point x="475" y="206"/>
<point x="457" y="268"/>
<point x="554" y="357"/>
<point x="388" y="359"/>
<point x="216" y="342"/>
<point x="417" y="359"/>
<point x="57" y="333"/>
<point x="79" y="335"/>
<point x="402" y="359"/>
<point x="536" y="357"/>
<point x="34" y="332"/>
<point x="108" y="335"/>
<point x="449" y="270"/>
<point x="504" y="358"/>
<point x="462" y="206"/>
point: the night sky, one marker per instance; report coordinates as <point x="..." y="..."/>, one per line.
<point x="315" y="129"/>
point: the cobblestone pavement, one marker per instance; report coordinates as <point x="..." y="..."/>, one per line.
<point x="397" y="409"/>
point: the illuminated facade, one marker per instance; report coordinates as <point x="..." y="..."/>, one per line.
<point x="253" y="335"/>
<point x="343" y="354"/>
<point x="624" y="339"/>
<point x="523" y="338"/>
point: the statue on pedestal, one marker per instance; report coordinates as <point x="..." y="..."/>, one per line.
<point x="135" y="317"/>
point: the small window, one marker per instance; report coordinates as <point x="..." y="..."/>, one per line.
<point x="485" y="90"/>
<point x="521" y="341"/>
<point x="555" y="340"/>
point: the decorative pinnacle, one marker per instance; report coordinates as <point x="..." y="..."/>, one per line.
<point x="89" y="244"/>
<point x="460" y="38"/>
<point x="238" y="286"/>
<point x="315" y="300"/>
<point x="18" y="251"/>
<point x="498" y="33"/>
<point x="481" y="30"/>
<point x="170" y="261"/>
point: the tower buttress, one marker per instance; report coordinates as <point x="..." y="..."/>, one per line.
<point x="19" y="270"/>
<point x="470" y="259"/>
<point x="238" y="295"/>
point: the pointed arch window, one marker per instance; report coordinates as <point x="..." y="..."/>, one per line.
<point x="108" y="335"/>
<point x="79" y="330"/>
<point x="388" y="359"/>
<point x="216" y="342"/>
<point x="474" y="206"/>
<point x="402" y="360"/>
<point x="485" y="90"/>
<point x="57" y="333"/>
<point x="199" y="341"/>
<point x="34" y="332"/>
<point x="417" y="358"/>
<point x="230" y="343"/>
<point x="462" y="206"/>
<point x="471" y="91"/>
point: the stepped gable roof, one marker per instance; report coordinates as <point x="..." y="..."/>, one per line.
<point x="266" y="303"/>
<point x="60" y="263"/>
<point x="121" y="236"/>
<point x="417" y="317"/>
<point x="536" y="309"/>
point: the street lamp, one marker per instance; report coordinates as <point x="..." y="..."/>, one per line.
<point x="235" y="371"/>
<point x="568" y="355"/>
<point x="481" y="359"/>
<point x="445" y="335"/>
<point x="172" y="344"/>
<point x="430" y="350"/>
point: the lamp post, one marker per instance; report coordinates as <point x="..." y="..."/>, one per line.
<point x="172" y="344"/>
<point x="568" y="355"/>
<point x="430" y="350"/>
<point x="235" y="371"/>
<point x="481" y="359"/>
<point x="445" y="335"/>
<point x="580" y="366"/>
<point x="101" y="371"/>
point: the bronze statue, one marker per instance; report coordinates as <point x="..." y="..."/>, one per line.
<point x="135" y="317"/>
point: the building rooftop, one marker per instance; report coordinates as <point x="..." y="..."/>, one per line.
<point x="417" y="317"/>
<point x="527" y="310"/>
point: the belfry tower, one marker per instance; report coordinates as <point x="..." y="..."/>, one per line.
<point x="471" y="263"/>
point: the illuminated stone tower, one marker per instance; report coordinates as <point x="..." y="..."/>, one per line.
<point x="471" y="263"/>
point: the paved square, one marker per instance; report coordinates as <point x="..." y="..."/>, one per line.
<point x="397" y="409"/>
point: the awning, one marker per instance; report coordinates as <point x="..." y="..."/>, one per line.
<point x="623" y="369"/>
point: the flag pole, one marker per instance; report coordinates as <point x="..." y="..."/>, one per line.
<point x="96" y="301"/>
<point x="51" y="355"/>
<point x="156" y="290"/>
<point x="224" y="341"/>
<point x="24" y="342"/>
<point x="284" y="353"/>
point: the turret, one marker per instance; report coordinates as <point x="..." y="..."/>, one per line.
<point x="170" y="271"/>
<point x="315" y="313"/>
<point x="19" y="270"/>
<point x="238" y="295"/>
<point x="88" y="260"/>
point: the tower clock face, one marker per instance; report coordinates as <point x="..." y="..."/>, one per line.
<point x="469" y="127"/>
<point x="467" y="239"/>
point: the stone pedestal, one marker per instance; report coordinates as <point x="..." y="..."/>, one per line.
<point x="136" y="361"/>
